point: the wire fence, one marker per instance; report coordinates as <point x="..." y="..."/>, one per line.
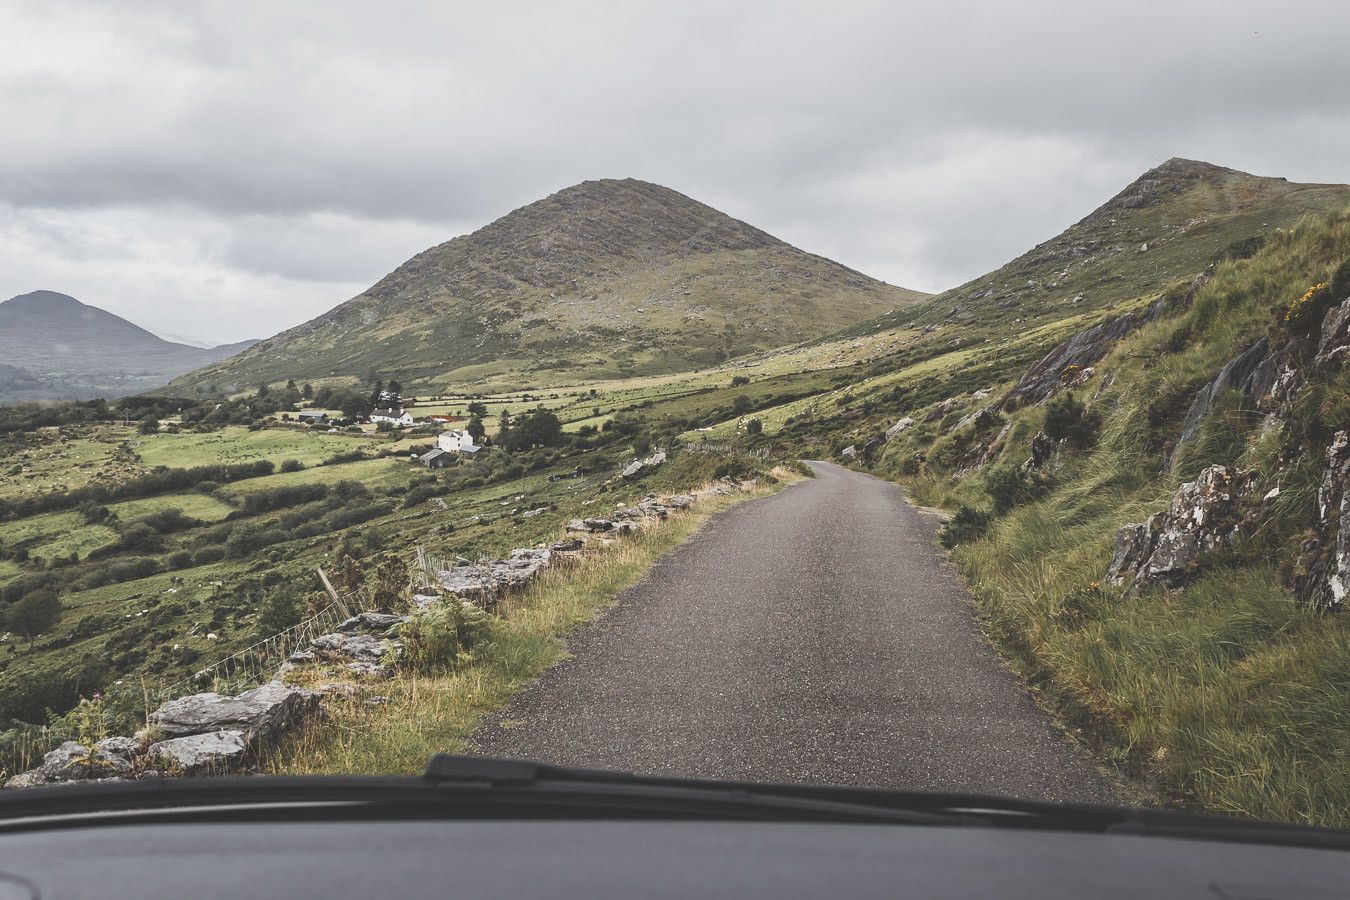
<point x="728" y="449"/>
<point x="428" y="568"/>
<point x="257" y="662"/>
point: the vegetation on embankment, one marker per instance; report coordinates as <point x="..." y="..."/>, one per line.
<point x="1225" y="695"/>
<point x="429" y="712"/>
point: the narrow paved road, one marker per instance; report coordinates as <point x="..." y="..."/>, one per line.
<point x="816" y="635"/>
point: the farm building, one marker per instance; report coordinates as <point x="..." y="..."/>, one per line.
<point x="457" y="441"/>
<point x="393" y="417"/>
<point x="311" y="417"/>
<point x="436" y="458"/>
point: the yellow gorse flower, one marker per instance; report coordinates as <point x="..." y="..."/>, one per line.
<point x="1297" y="305"/>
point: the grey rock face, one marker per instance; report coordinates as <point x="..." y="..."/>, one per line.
<point x="568" y="545"/>
<point x="1325" y="559"/>
<point x="680" y="501"/>
<point x="124" y="747"/>
<point x="1243" y="372"/>
<point x="635" y="468"/>
<point x="260" y="713"/>
<point x="1334" y="346"/>
<point x="1204" y="516"/>
<point x="1042" y="448"/>
<point x="1043" y="380"/>
<point x="198" y="754"/>
<point x="482" y="582"/>
<point x="370" y="623"/>
<point x="980" y="418"/>
<point x="943" y="409"/>
<point x="898" y="427"/>
<point x="849" y="452"/>
<point x="73" y="762"/>
<point x="365" y="648"/>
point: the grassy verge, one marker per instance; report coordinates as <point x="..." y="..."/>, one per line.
<point x="432" y="713"/>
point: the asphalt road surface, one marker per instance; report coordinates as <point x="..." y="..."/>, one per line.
<point x="817" y="635"/>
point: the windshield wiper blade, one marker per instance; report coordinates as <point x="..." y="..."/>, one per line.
<point x="679" y="795"/>
<point x="881" y="805"/>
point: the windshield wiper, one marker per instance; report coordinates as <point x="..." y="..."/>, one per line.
<point x="872" y="804"/>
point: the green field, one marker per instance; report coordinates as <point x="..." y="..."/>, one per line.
<point x="236" y="444"/>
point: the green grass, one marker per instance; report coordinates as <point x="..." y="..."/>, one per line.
<point x="429" y="714"/>
<point x="237" y="444"/>
<point x="1225" y="696"/>
<point x="191" y="503"/>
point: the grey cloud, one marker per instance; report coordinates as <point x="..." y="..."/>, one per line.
<point x="297" y="144"/>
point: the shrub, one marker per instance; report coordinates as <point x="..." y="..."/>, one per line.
<point x="280" y="610"/>
<point x="169" y="520"/>
<point x="442" y="634"/>
<point x="1010" y="485"/>
<point x="206" y="555"/>
<point x="34" y="614"/>
<point x="1067" y="418"/>
<point x="738" y="380"/>
<point x="754" y="426"/>
<point x="291" y="465"/>
<point x="968" y="524"/>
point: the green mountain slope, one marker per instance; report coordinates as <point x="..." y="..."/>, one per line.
<point x="55" y="347"/>
<point x="1148" y="486"/>
<point x="601" y="279"/>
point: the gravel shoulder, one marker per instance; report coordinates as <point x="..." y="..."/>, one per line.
<point x="816" y="635"/>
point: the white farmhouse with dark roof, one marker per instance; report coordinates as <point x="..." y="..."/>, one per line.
<point x="458" y="441"/>
<point x="392" y="416"/>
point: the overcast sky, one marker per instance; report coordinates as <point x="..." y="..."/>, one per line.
<point x="223" y="170"/>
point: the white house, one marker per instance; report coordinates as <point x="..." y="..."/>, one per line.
<point x="458" y="441"/>
<point x="393" y="417"/>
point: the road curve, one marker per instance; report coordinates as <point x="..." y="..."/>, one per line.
<point x="816" y="635"/>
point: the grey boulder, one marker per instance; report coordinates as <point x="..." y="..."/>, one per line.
<point x="259" y="713"/>
<point x="198" y="754"/>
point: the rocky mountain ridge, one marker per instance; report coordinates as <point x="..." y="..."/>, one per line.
<point x="604" y="278"/>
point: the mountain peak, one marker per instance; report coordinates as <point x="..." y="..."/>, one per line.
<point x="603" y="278"/>
<point x="42" y="299"/>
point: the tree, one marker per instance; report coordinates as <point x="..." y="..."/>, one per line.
<point x="34" y="614"/>
<point x="149" y="425"/>
<point x="263" y="390"/>
<point x="307" y="391"/>
<point x="395" y="388"/>
<point x="354" y="406"/>
<point x="754" y="426"/>
<point x="476" y="429"/>
<point x="741" y="405"/>
<point x="540" y="427"/>
<point x="477" y="409"/>
<point x="504" y="428"/>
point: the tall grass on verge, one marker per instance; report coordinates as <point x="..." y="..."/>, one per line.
<point x="1224" y="696"/>
<point x="429" y="713"/>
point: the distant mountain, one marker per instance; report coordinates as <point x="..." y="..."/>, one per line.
<point x="1170" y="223"/>
<point x="55" y="347"/>
<point x="601" y="279"/>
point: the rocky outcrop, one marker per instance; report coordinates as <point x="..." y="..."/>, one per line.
<point x="361" y="654"/>
<point x="484" y="582"/>
<point x="1322" y="578"/>
<point x="1334" y="346"/>
<point x="982" y="418"/>
<point x="1043" y="380"/>
<point x="1204" y="516"/>
<point x="943" y="409"/>
<point x="201" y="754"/>
<point x="73" y="761"/>
<point x="261" y="713"/>
<point x="898" y="427"/>
<point x="1042" y="448"/>
<point x="637" y="466"/>
<point x="1243" y="372"/>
